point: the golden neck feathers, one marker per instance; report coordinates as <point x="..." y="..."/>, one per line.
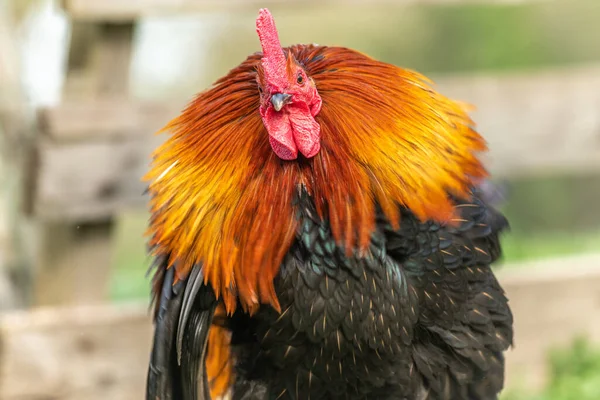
<point x="221" y="198"/>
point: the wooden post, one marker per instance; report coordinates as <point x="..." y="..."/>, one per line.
<point x="73" y="257"/>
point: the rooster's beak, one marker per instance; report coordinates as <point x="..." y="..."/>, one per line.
<point x="279" y="100"/>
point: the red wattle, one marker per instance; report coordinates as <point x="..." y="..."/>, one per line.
<point x="281" y="135"/>
<point x="291" y="130"/>
<point x="283" y="150"/>
<point x="307" y="132"/>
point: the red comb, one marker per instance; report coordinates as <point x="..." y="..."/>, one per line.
<point x="273" y="60"/>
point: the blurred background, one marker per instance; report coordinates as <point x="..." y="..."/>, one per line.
<point x="84" y="84"/>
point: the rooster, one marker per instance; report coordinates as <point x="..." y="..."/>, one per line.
<point x="319" y="232"/>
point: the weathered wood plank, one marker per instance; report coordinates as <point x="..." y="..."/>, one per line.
<point x="116" y="10"/>
<point x="98" y="352"/>
<point x="103" y="118"/>
<point x="94" y="180"/>
<point x="543" y="121"/>
<point x="87" y="353"/>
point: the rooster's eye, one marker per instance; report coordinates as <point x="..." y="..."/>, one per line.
<point x="300" y="79"/>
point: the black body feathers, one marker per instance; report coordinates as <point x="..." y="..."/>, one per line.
<point x="420" y="316"/>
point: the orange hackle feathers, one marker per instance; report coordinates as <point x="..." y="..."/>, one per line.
<point x="223" y="200"/>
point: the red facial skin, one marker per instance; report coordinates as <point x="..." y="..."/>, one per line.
<point x="293" y="128"/>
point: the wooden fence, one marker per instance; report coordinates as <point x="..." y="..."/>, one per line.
<point x="83" y="168"/>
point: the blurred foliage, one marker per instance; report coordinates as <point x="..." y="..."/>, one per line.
<point x="130" y="265"/>
<point x="555" y="203"/>
<point x="574" y="375"/>
<point x="552" y="216"/>
<point x="443" y="38"/>
<point x="548" y="244"/>
<point x="530" y="35"/>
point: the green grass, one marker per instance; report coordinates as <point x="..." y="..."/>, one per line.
<point x="131" y="261"/>
<point x="574" y="375"/>
<point x="548" y="245"/>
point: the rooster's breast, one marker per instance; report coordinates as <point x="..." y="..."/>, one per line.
<point x="346" y="323"/>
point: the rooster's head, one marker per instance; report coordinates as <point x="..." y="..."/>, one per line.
<point x="289" y="100"/>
